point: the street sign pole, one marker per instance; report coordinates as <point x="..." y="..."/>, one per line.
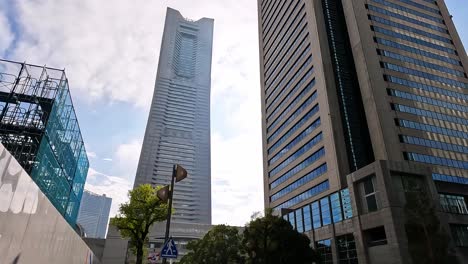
<point x="169" y="210"/>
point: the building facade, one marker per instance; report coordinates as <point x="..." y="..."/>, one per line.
<point x="94" y="214"/>
<point x="178" y="129"/>
<point x="39" y="127"/>
<point x="362" y="100"/>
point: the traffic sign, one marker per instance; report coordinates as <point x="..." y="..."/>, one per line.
<point x="169" y="250"/>
<point x="153" y="258"/>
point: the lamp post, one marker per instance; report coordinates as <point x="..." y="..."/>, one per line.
<point x="165" y="194"/>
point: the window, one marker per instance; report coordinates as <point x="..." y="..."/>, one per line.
<point x="375" y="236"/>
<point x="336" y="207"/>
<point x="433" y="144"/>
<point x="428" y="100"/>
<point x="455" y="204"/>
<point x="460" y="235"/>
<point x="293" y="186"/>
<point x="305" y="195"/>
<point x="436" y="160"/>
<point x="292" y="219"/>
<point x="346" y="202"/>
<point x="325" y="209"/>
<point x="431" y="128"/>
<point x="297" y="154"/>
<point x="369" y="195"/>
<point x="299" y="221"/>
<point x="307" y="218"/>
<point x="317" y="221"/>
<point x="409" y="10"/>
<point x="346" y="249"/>
<point x="449" y="178"/>
<point x="323" y="247"/>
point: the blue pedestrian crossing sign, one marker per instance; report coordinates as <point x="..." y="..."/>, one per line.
<point x="169" y="250"/>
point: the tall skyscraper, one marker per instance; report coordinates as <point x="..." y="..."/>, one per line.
<point x="178" y="129"/>
<point x="364" y="107"/>
<point x="94" y="214"/>
<point x="39" y="127"/>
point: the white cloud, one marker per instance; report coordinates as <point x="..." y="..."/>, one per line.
<point x="112" y="186"/>
<point x="126" y="158"/>
<point x="91" y="154"/>
<point x="110" y="52"/>
<point x="6" y="33"/>
<point x="107" y="159"/>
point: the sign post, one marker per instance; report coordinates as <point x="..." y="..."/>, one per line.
<point x="169" y="251"/>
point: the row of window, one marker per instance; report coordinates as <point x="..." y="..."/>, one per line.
<point x="428" y="100"/>
<point x="294" y="115"/>
<point x="323" y="248"/>
<point x="436" y="160"/>
<point x="290" y="69"/>
<point x="409" y="10"/>
<point x="304" y="164"/>
<point x="313" y="142"/>
<point x="424" y="7"/>
<point x="305" y="195"/>
<point x="292" y="105"/>
<point x="426" y="75"/>
<point x="449" y="178"/>
<point x="269" y="53"/>
<point x="291" y="93"/>
<point x="302" y="36"/>
<point x="460" y="235"/>
<point x="296" y="140"/>
<point x="425" y="87"/>
<point x="433" y="144"/>
<point x="410" y="29"/>
<point x="320" y="170"/>
<point x="430" y="114"/>
<point x="287" y="56"/>
<point x="455" y="204"/>
<point x="293" y="129"/>
<point x="417" y="51"/>
<point x="420" y="62"/>
<point x="406" y="18"/>
<point x="413" y="39"/>
<point x="281" y="23"/>
<point x="293" y="143"/>
<point x="433" y="129"/>
<point x="330" y="209"/>
<point x="266" y="25"/>
<point x="290" y="82"/>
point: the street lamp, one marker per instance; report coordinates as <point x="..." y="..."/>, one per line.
<point x="165" y="194"/>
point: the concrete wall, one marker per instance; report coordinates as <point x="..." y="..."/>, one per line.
<point x="31" y="229"/>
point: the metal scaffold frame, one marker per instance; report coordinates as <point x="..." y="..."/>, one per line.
<point x="38" y="126"/>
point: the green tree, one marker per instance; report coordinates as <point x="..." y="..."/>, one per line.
<point x="135" y="217"/>
<point x="271" y="239"/>
<point x="220" y="245"/>
<point x="428" y="242"/>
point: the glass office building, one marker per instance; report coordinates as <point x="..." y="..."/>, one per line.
<point x="178" y="128"/>
<point x="94" y="214"/>
<point x="361" y="101"/>
<point x="39" y="127"/>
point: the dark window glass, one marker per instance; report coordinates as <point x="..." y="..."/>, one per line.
<point x="323" y="248"/>
<point x="325" y="209"/>
<point x="346" y="249"/>
<point x="299" y="221"/>
<point x="335" y="202"/>
<point x="460" y="235"/>
<point x="307" y="218"/>
<point x="316" y="219"/>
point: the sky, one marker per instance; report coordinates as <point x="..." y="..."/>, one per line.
<point x="110" y="49"/>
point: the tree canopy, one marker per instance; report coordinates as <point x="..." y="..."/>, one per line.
<point x="271" y="239"/>
<point x="136" y="217"/>
<point x="265" y="240"/>
<point x="220" y="245"/>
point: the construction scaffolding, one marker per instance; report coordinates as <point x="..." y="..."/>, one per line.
<point x="38" y="126"/>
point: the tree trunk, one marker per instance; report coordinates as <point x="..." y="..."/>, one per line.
<point x="139" y="256"/>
